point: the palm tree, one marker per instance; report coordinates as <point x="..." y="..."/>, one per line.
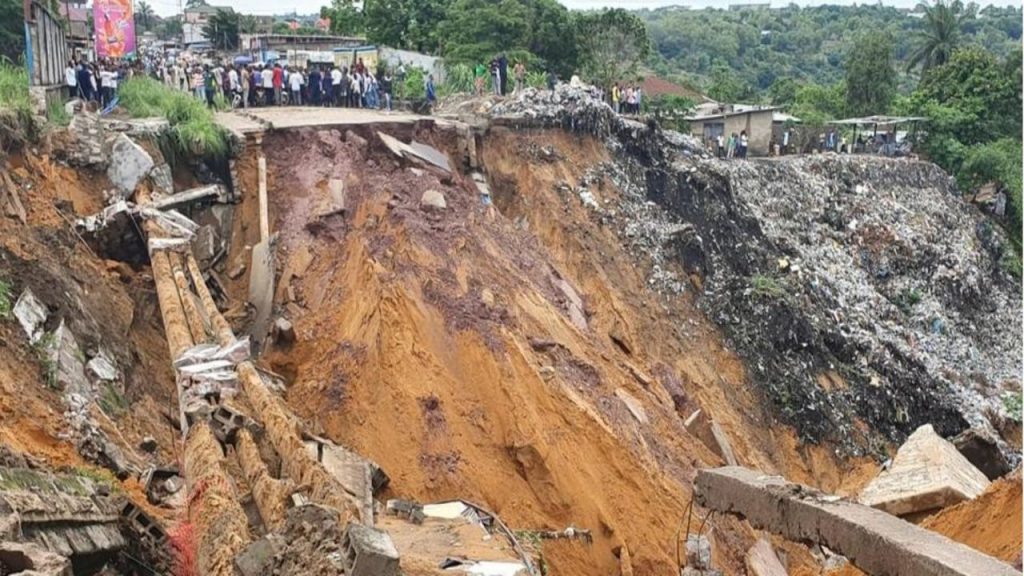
<point x="941" y="33"/>
<point x="144" y="11"/>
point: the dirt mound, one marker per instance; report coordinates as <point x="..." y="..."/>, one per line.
<point x="990" y="523"/>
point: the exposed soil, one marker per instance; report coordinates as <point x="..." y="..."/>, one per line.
<point x="990" y="523"/>
<point x="414" y="349"/>
<point x="106" y="305"/>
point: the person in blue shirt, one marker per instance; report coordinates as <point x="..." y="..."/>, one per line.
<point x="431" y="93"/>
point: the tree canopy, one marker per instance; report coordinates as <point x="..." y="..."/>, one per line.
<point x="870" y="75"/>
<point x="222" y="29"/>
<point x="612" y="44"/>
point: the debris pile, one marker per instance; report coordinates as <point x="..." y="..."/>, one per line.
<point x="857" y="288"/>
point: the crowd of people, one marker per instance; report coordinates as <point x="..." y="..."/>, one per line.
<point x="626" y="99"/>
<point x="733" y="147"/>
<point x="245" y="85"/>
<point x="96" y="81"/>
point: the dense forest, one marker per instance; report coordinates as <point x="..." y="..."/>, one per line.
<point x="750" y="49"/>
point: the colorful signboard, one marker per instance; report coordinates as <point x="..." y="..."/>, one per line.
<point x="115" y="28"/>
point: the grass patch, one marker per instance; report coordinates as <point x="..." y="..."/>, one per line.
<point x="43" y="347"/>
<point x="97" y="475"/>
<point x="766" y="286"/>
<point x="111" y="401"/>
<point x="907" y="299"/>
<point x="5" y="300"/>
<point x="16" y="123"/>
<point x="194" y="131"/>
<point x="1013" y="402"/>
<point x="57" y="115"/>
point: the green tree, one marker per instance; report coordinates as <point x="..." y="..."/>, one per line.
<point x="346" y="20"/>
<point x="248" y="24"/>
<point x="222" y="29"/>
<point x="725" y="85"/>
<point x="940" y="36"/>
<point x="534" y="31"/>
<point x="194" y="3"/>
<point x="410" y="24"/>
<point x="870" y="75"/>
<point x="12" y="31"/>
<point x="612" y="44"/>
<point x="143" y="13"/>
<point x="169" y="28"/>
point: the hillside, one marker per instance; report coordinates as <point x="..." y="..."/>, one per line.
<point x="754" y="48"/>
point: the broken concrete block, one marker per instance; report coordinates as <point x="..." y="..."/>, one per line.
<point x="981" y="448"/>
<point x="257" y="558"/>
<point x="873" y="540"/>
<point x="369" y="552"/>
<point x="129" y="164"/>
<point x="761" y="560"/>
<point x="698" y="552"/>
<point x="633" y="405"/>
<point x="261" y="288"/>
<point x="432" y="199"/>
<point x="928" y="473"/>
<point x="31" y="314"/>
<point x="206" y="245"/>
<point x="163" y="181"/>
<point x="148" y="444"/>
<point x="711" y="435"/>
<point x="102" y="367"/>
<point x="30" y="558"/>
<point x="283" y="331"/>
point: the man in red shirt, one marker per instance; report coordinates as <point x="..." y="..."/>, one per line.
<point x="278" y="82"/>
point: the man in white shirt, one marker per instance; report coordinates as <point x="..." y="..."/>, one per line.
<point x="108" y="83"/>
<point x="71" y="79"/>
<point x="336" y="85"/>
<point x="295" y="80"/>
<point x="233" y="79"/>
<point x="267" y="76"/>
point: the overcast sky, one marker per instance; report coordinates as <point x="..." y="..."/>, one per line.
<point x="268" y="7"/>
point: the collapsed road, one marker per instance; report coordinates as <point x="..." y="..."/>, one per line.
<point x="364" y="325"/>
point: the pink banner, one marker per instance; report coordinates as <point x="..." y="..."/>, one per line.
<point x="115" y="28"/>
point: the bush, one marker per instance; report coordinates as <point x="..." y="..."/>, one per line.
<point x="57" y="115"/>
<point x="997" y="161"/>
<point x="194" y="130"/>
<point x="414" y="87"/>
<point x="16" y="123"/>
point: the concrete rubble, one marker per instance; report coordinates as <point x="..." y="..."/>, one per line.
<point x="70" y="516"/>
<point x="31" y="314"/>
<point x="129" y="164"/>
<point x="874" y="541"/>
<point x="761" y="560"/>
<point x="927" y="474"/>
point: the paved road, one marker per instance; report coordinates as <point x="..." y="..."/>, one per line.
<point x="256" y="119"/>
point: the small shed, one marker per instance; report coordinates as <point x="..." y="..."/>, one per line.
<point x="725" y="119"/>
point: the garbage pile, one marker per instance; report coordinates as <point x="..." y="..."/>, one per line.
<point x="856" y="288"/>
<point x="582" y="108"/>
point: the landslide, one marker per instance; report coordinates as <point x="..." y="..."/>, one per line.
<point x="106" y="305"/>
<point x="449" y="345"/>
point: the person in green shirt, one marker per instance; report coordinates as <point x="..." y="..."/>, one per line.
<point x="479" y="78"/>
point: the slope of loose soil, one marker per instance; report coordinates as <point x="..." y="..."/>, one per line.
<point x="990" y="523"/>
<point x="106" y="304"/>
<point x="414" y="348"/>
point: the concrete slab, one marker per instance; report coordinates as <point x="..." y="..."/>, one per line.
<point x="633" y="405"/>
<point x="928" y="473"/>
<point x="256" y="120"/>
<point x="761" y="560"/>
<point x="874" y="541"/>
<point x="261" y="289"/>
